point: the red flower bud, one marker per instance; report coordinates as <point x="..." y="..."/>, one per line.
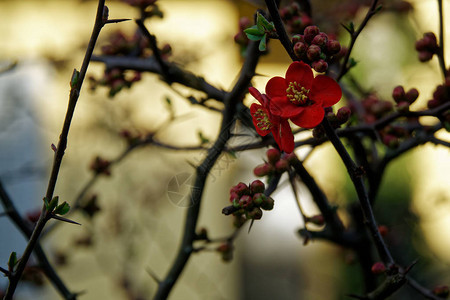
<point x="281" y="165"/>
<point x="257" y="186"/>
<point x="234" y="197"/>
<point x="432" y="103"/>
<point x="403" y="106"/>
<point x="319" y="40"/>
<point x="378" y="268"/>
<point x="390" y="140"/>
<point x="245" y="201"/>
<point x="412" y="95"/>
<point x="255" y="214"/>
<point x="383" y="229"/>
<point x="398" y="94"/>
<point x="289" y="157"/>
<point x="263" y="170"/>
<point x="244" y="23"/>
<point x="343" y="114"/>
<point x="320" y="66"/>
<point x="313" y="52"/>
<point x="268" y="203"/>
<point x="430" y="39"/>
<point x="425" y="56"/>
<point x="333" y="47"/>
<point x="311" y="30"/>
<point x="240" y="189"/>
<point x="273" y="155"/>
<point x="317" y="219"/>
<point x="441" y="290"/>
<point x="300" y="49"/>
<point x="421" y="45"/>
<point x="259" y="198"/>
<point x="297" y="38"/>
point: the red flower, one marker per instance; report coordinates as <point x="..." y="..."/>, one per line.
<point x="265" y="122"/>
<point x="301" y="97"/>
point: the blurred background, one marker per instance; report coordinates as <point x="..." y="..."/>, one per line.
<point x="135" y="224"/>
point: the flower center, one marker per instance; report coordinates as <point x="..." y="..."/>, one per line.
<point x="297" y="94"/>
<point x="262" y="119"/>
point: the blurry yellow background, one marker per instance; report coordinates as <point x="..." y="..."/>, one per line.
<point x="138" y="228"/>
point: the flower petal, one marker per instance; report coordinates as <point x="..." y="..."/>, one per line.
<point x="301" y="73"/>
<point x="276" y="87"/>
<point x="287" y="138"/>
<point x="256" y="94"/>
<point x="253" y="108"/>
<point x="281" y="106"/>
<point x="310" y="117"/>
<point x="325" y="90"/>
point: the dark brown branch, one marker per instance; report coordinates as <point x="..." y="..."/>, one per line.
<point x="176" y="74"/>
<point x="231" y="100"/>
<point x="282" y="35"/>
<point x="27" y="230"/>
<point x="441" y="52"/>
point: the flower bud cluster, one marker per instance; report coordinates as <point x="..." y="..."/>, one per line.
<point x="427" y="46"/>
<point x="336" y="120"/>
<point x="241" y="38"/>
<point x="120" y="44"/>
<point x="276" y="164"/>
<point x="295" y="19"/>
<point x="101" y="166"/>
<point x="316" y="48"/>
<point x="226" y="251"/>
<point x="375" y="108"/>
<point x="404" y="99"/>
<point x="441" y="94"/>
<point x="130" y="137"/>
<point x="249" y="200"/>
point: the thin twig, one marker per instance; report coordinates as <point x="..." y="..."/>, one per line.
<point x="282" y="35"/>
<point x="156" y="52"/>
<point x="441" y="52"/>
<point x="27" y="230"/>
<point x="76" y="84"/>
<point x="354" y="36"/>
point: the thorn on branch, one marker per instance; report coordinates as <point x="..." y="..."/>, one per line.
<point x="59" y="218"/>
<point x="116" y="21"/>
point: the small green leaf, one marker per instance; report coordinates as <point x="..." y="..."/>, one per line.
<point x="74" y="79"/>
<point x="259" y="22"/>
<point x="268" y="26"/>
<point x="203" y="139"/>
<point x="62" y="209"/>
<point x="262" y="44"/>
<point x="378" y="8"/>
<point x="12" y="261"/>
<point x="252" y="37"/>
<point x="51" y="206"/>
<point x="352" y="63"/>
<point x="447" y="126"/>
<point x="232" y="154"/>
<point x="46" y="203"/>
<point x="350" y="27"/>
<point x="254" y="30"/>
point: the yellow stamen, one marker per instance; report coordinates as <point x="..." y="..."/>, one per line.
<point x="262" y="120"/>
<point x="297" y="94"/>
